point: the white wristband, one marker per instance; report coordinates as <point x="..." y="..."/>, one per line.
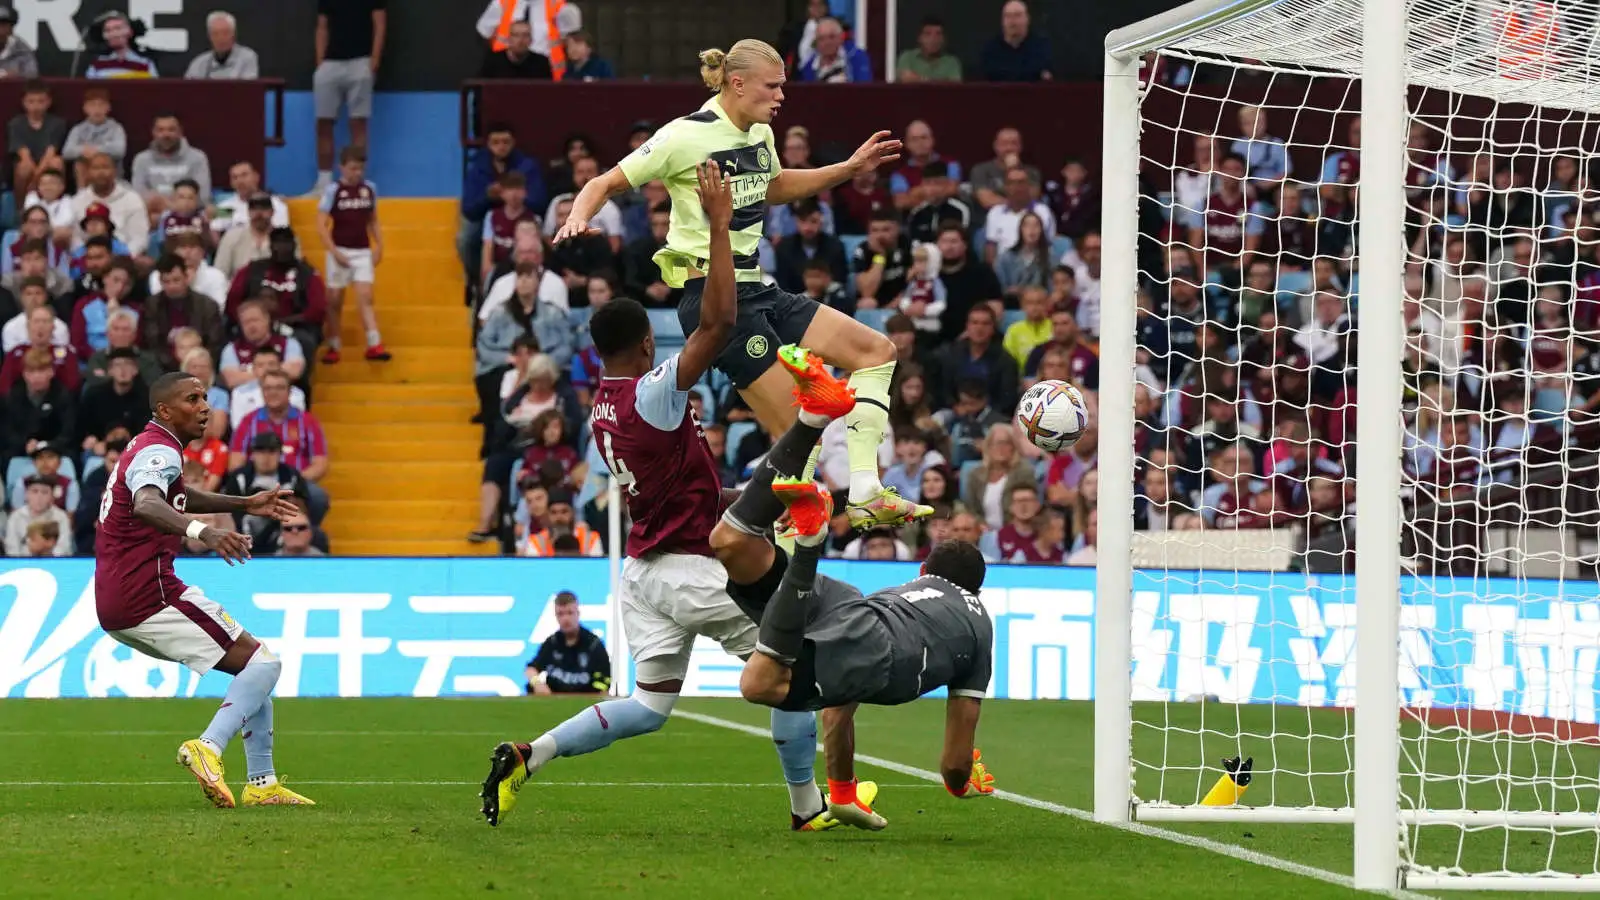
<point x="196" y="528"/>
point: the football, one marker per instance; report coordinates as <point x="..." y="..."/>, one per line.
<point x="1052" y="414"/>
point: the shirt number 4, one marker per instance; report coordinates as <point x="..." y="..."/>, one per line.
<point x="619" y="468"/>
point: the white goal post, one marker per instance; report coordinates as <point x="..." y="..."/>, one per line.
<point x="1428" y="677"/>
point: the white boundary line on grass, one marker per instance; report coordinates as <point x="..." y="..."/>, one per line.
<point x="540" y="784"/>
<point x="1187" y="840"/>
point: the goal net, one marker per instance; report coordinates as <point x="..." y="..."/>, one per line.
<point x="1252" y="315"/>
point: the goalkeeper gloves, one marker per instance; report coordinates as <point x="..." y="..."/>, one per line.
<point x="979" y="784"/>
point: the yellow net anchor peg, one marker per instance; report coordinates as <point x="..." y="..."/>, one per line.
<point x="1231" y="786"/>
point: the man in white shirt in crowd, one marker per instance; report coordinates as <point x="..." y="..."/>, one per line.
<point x="608" y="219"/>
<point x="1005" y="220"/>
<point x="245" y="399"/>
<point x="204" y="278"/>
<point x="231" y="210"/>
<point x="529" y="248"/>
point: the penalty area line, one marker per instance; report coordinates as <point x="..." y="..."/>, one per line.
<point x="1138" y="828"/>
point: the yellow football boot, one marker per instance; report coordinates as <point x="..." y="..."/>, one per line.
<point x="206" y="766"/>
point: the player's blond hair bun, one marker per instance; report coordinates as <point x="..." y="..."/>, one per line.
<point x="716" y="66"/>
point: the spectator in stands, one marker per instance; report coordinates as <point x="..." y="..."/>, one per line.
<point x="978" y="356"/>
<point x="122" y="333"/>
<point x="264" y="470"/>
<point x="561" y="181"/>
<point x="818" y="284"/>
<point x="177" y="305"/>
<point x="912" y="458"/>
<point x="121" y="402"/>
<point x="1084" y="549"/>
<point x="968" y="282"/>
<point x="297" y="290"/>
<point x="923" y="300"/>
<point x="184" y="215"/>
<point x="38" y="409"/>
<point x="834" y="58"/>
<point x="247" y="396"/>
<point x="517" y="61"/>
<point x="575" y="259"/>
<point x="551" y="454"/>
<point x="1014" y="542"/>
<point x="347" y="222"/>
<point x="232" y="211"/>
<point x="941" y="205"/>
<point x="169" y="159"/>
<point x="228" y="58"/>
<point x="306" y="447"/>
<point x="23" y="539"/>
<point x="1084" y="260"/>
<point x="529" y="249"/>
<point x="986" y="487"/>
<point x="989" y="176"/>
<point x="910" y="408"/>
<point x="562" y="520"/>
<point x="35" y="226"/>
<point x="1158" y="508"/>
<point x="1220" y="236"/>
<point x="480" y="189"/>
<point x="1016" y="54"/>
<point x="34" y="137"/>
<point x="500" y="225"/>
<point x="810" y="241"/>
<point x="905" y="185"/>
<point x="857" y="200"/>
<point x="968" y="419"/>
<point x="928" y="61"/>
<point x="1033" y="331"/>
<point x="100" y="246"/>
<point x="641" y="277"/>
<point x="295" y="538"/>
<point x="17" y="59"/>
<point x="526" y="313"/>
<point x="122" y="58"/>
<point x="129" y="215"/>
<point x="204" y="279"/>
<point x="350" y="39"/>
<point x="881" y="262"/>
<point x="609" y="219"/>
<point x="46" y="459"/>
<point x="1265" y="156"/>
<point x="32" y="261"/>
<point x="242" y="246"/>
<point x="1083" y="366"/>
<point x="50" y="194"/>
<point x="40" y="333"/>
<point x="86" y="521"/>
<point x="1026" y="262"/>
<point x="257" y="332"/>
<point x="550" y="21"/>
<point x="1003" y="221"/>
<point x="582" y="63"/>
<point x="1074" y="200"/>
<point x="97" y="133"/>
<point x="36" y="315"/>
<point x="798" y="38"/>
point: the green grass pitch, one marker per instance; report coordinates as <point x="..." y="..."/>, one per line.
<point x="91" y="801"/>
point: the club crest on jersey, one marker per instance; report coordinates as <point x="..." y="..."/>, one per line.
<point x="756" y="347"/>
<point x="763" y="158"/>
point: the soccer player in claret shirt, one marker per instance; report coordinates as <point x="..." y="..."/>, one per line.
<point x="672" y="587"/>
<point x="734" y="129"/>
<point x="144" y="517"/>
<point x="347" y="220"/>
<point x="825" y="646"/>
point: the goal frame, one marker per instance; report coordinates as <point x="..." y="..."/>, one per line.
<point x="1376" y="813"/>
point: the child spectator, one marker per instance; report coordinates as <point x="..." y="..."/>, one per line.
<point x="91" y="316"/>
<point x="168" y="160"/>
<point x="551" y="444"/>
<point x="923" y="299"/>
<point x="34" y="228"/>
<point x="38" y="507"/>
<point x="500" y="224"/>
<point x="582" y="63"/>
<point x="51" y="194"/>
<point x="47" y="468"/>
<point x="34" y="137"/>
<point x="97" y="133"/>
<point x="912" y="458"/>
<point x="820" y="286"/>
<point x="1033" y="331"/>
<point x="43" y="539"/>
<point x="348" y="223"/>
<point x="184" y="215"/>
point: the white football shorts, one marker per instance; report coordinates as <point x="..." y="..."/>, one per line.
<point x="670" y="598"/>
<point x="359" y="271"/>
<point x="193" y="630"/>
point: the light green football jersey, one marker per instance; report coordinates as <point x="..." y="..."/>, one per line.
<point x="750" y="158"/>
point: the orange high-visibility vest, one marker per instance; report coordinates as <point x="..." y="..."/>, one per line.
<point x="1526" y="38"/>
<point x="558" y="49"/>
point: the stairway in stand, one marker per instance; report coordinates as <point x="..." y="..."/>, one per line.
<point x="404" y="458"/>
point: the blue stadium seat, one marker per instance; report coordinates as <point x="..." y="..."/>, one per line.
<point x="664" y="351"/>
<point x="1295" y="282"/>
<point x="736" y="433"/>
<point x="1012" y="317"/>
<point x="708" y="399"/>
<point x="666" y="325"/>
<point x="21" y="467"/>
<point x="961" y="477"/>
<point x="876" y="319"/>
<point x="851" y="242"/>
<point x="1059" y="248"/>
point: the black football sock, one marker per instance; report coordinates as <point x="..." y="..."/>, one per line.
<point x="757" y="507"/>
<point x="783" y="625"/>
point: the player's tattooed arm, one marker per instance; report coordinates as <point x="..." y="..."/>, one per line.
<point x="151" y="507"/>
